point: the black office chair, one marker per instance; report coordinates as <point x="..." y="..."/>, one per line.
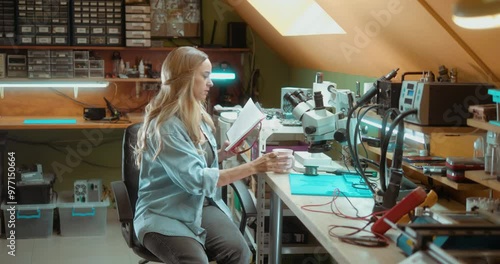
<point x="125" y="193"/>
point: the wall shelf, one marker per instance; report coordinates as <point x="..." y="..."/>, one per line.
<point x="483" y="178"/>
<point x="81" y="80"/>
<point x="134" y="80"/>
<point x="483" y="125"/>
<point x="441" y="179"/>
<point x="119" y="48"/>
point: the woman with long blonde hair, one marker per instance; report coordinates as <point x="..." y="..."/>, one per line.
<point x="180" y="216"/>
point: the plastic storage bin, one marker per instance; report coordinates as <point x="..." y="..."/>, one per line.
<point x="31" y="220"/>
<point x="81" y="219"/>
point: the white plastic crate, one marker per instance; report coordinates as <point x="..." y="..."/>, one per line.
<point x="30" y="220"/>
<point x="81" y="219"/>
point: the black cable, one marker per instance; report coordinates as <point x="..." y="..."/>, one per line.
<point x="392" y="112"/>
<point x="385" y="142"/>
<point x="357" y="165"/>
<point x="356" y="129"/>
<point x="72" y="99"/>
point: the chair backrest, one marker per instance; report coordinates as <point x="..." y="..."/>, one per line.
<point x="130" y="172"/>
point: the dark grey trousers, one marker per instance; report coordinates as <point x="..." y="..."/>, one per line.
<point x="224" y="243"/>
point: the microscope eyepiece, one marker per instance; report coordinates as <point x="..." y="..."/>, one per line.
<point x="318" y="100"/>
<point x="292" y="99"/>
<point x="300" y="95"/>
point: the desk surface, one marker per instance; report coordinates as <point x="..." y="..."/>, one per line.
<point x="17" y="123"/>
<point x="317" y="223"/>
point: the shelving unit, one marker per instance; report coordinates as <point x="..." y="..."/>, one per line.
<point x="263" y="210"/>
<point x="480" y="176"/>
<point x="443" y="180"/>
<point x="483" y="125"/>
<point x="483" y="178"/>
<point x="22" y="47"/>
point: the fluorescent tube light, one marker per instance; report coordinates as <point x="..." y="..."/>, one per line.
<point x="415" y="136"/>
<point x="222" y="76"/>
<point x="51" y="84"/>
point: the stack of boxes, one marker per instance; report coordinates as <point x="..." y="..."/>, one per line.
<point x="456" y="167"/>
<point x="87" y="67"/>
<point x="34" y="211"/>
<point x="43" y="64"/>
<point x="82" y="65"/>
<point x="36" y="220"/>
<point x="138" y="25"/>
<point x="43" y="22"/>
<point x="97" y="23"/>
<point x="39" y="64"/>
<point x="61" y="64"/>
<point x="7" y="23"/>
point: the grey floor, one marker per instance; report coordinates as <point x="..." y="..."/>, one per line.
<point x="56" y="249"/>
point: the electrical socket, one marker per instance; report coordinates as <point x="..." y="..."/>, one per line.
<point x="151" y="86"/>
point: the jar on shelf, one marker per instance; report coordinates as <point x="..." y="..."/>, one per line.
<point x="492" y="155"/>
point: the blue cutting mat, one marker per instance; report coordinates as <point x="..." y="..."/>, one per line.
<point x="51" y="121"/>
<point x="324" y="184"/>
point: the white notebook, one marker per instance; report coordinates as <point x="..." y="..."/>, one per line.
<point x="249" y="117"/>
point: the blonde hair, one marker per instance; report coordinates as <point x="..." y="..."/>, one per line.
<point x="175" y="98"/>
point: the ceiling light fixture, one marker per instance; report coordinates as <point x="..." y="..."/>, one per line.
<point x="477" y="14"/>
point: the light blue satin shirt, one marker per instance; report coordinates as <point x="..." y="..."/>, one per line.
<point x="173" y="187"/>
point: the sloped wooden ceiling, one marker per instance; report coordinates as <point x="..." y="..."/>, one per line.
<point x="413" y="35"/>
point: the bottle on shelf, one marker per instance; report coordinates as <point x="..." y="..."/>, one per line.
<point x="116" y="57"/>
<point x="492" y="158"/>
<point x="141" y="69"/>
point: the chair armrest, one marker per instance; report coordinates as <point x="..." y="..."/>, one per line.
<point x="123" y="206"/>
<point x="247" y="204"/>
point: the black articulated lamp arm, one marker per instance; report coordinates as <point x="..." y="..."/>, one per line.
<point x="391" y="194"/>
<point x="363" y="100"/>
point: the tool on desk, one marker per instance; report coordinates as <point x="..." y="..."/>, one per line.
<point x="434" y="170"/>
<point x="115" y="114"/>
<point x="447" y="233"/>
<point x="94" y="113"/>
<point x="430" y="200"/>
<point x="402" y="208"/>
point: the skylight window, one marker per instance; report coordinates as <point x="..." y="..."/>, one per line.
<point x="297" y="17"/>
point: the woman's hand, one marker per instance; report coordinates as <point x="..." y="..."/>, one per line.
<point x="266" y="162"/>
<point x="225" y="154"/>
